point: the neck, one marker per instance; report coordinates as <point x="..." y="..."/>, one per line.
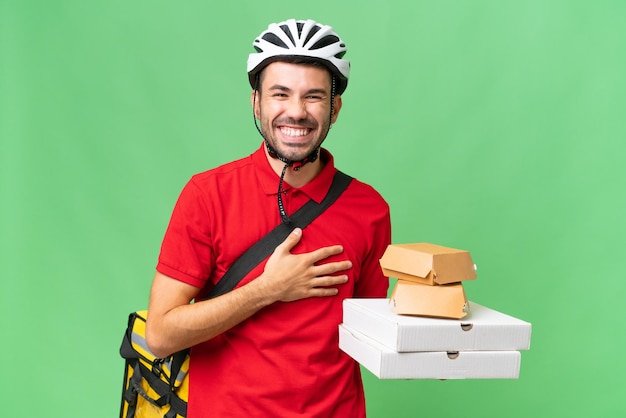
<point x="299" y="178"/>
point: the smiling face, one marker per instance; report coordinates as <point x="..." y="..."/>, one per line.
<point x="293" y="105"/>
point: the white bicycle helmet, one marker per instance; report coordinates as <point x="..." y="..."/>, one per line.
<point x="300" y="38"/>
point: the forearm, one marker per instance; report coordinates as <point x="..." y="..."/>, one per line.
<point x="186" y="324"/>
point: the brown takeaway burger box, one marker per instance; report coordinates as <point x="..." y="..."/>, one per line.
<point x="429" y="279"/>
<point x="440" y="301"/>
<point x="427" y="263"/>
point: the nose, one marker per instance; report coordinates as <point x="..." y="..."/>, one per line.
<point x="296" y="109"/>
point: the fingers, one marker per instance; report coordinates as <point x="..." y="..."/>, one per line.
<point x="325" y="286"/>
<point x="291" y="241"/>
<point x="331" y="268"/>
<point x="328" y="281"/>
<point x="320" y="254"/>
<point x="320" y="292"/>
<point x="325" y="252"/>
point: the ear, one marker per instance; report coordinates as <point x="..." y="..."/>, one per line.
<point x="336" y="108"/>
<point x="254" y="102"/>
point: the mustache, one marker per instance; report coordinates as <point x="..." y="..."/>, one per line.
<point x="303" y="123"/>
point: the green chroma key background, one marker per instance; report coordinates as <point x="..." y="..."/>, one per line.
<point x="492" y="126"/>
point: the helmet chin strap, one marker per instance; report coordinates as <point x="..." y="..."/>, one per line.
<point x="295" y="165"/>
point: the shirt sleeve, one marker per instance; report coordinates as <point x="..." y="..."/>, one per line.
<point x="187" y="251"/>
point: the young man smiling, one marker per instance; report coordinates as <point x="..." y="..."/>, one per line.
<point x="269" y="348"/>
<point x="295" y="113"/>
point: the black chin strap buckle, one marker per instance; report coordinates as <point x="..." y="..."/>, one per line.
<point x="295" y="165"/>
<point x="281" y="205"/>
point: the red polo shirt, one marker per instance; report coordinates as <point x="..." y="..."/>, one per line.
<point x="284" y="361"/>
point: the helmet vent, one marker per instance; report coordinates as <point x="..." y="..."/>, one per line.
<point x="273" y="39"/>
<point x="285" y="29"/>
<point x="325" y="41"/>
<point x="312" y="32"/>
<point x="299" y="25"/>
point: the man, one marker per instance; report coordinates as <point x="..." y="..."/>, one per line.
<point x="269" y="348"/>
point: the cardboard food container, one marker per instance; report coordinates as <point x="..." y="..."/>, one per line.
<point x="442" y="301"/>
<point x="385" y="363"/>
<point x="483" y="329"/>
<point x="427" y="263"/>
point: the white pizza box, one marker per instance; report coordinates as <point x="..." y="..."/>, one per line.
<point x="385" y="363"/>
<point x="483" y="329"/>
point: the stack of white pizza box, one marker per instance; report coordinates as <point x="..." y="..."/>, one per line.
<point x="427" y="329"/>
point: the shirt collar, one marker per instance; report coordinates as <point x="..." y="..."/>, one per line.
<point x="316" y="189"/>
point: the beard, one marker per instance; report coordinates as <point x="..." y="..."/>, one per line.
<point x="294" y="150"/>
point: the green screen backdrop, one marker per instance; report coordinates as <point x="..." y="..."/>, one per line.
<point x="493" y="126"/>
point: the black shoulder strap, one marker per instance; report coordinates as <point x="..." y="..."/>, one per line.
<point x="263" y="248"/>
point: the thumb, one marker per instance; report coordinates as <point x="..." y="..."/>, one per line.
<point x="292" y="239"/>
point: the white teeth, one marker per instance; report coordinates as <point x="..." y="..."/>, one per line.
<point x="294" y="132"/>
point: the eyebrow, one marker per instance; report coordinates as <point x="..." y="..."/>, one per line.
<point x="280" y="87"/>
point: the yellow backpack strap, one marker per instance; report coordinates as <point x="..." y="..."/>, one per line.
<point x="143" y="365"/>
